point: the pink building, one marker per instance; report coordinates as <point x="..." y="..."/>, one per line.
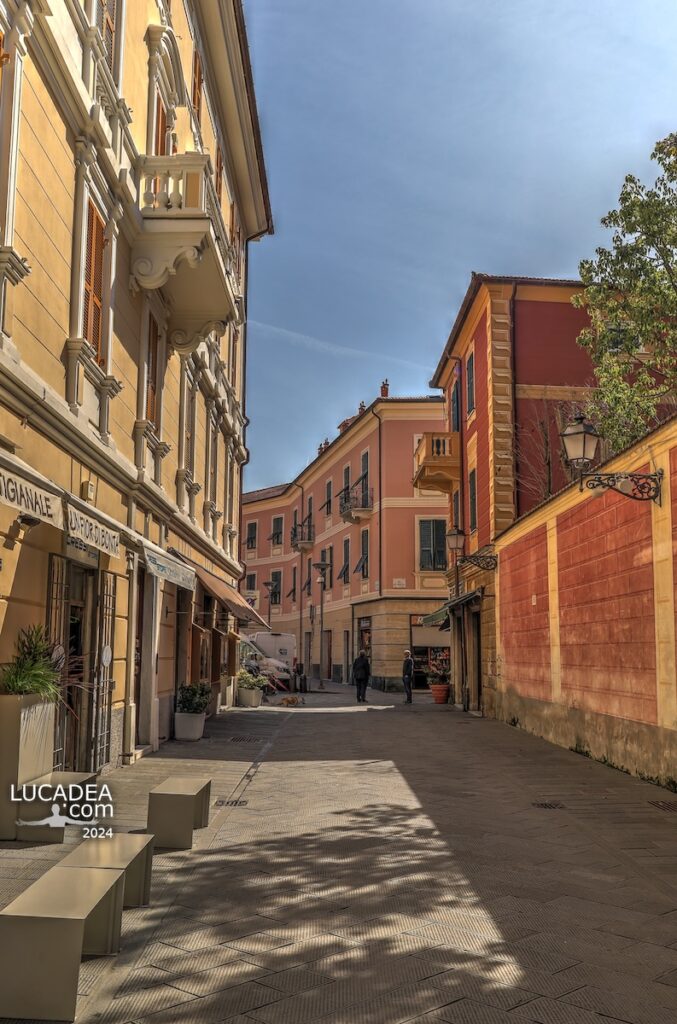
<point x="382" y="542"/>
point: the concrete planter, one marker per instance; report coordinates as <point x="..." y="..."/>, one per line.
<point x="26" y="749"/>
<point x="188" y="726"/>
<point x="249" y="698"/>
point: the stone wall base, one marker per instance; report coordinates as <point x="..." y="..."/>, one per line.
<point x="117" y="718"/>
<point x="648" y="751"/>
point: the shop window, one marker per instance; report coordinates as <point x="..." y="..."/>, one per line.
<point x="250" y="581"/>
<point x="93" y="290"/>
<point x="278" y="528"/>
<point x="432" y="545"/>
<point x="276" y="588"/>
<point x="455" y="408"/>
<point x="251" y="536"/>
<point x="152" y="378"/>
<point x="472" y="493"/>
<point x="196" y="94"/>
<point x="470" y="382"/>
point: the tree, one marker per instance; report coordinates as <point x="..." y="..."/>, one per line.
<point x="631" y="298"/>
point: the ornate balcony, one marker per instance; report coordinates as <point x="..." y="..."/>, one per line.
<point x="182" y="247"/>
<point x="438" y="462"/>
<point x="302" y="537"/>
<point x="356" y="504"/>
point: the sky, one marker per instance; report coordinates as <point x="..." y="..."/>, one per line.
<point x="409" y="143"/>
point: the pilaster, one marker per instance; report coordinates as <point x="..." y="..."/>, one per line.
<point x="664" y="599"/>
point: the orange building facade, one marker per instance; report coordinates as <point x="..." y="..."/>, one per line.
<point x="355" y="510"/>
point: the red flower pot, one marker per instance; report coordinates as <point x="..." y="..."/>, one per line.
<point x="440" y="692"/>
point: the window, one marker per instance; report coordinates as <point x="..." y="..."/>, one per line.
<point x="309" y="579"/>
<point x="455" y="408"/>
<point x="218" y="173"/>
<point x="324" y="574"/>
<point x="365" y="479"/>
<point x="160" y="131"/>
<point x="346" y="480"/>
<point x="295" y="520"/>
<point x="152" y="378"/>
<point x="106" y="25"/>
<point x="251" y="536"/>
<point x="93" y="297"/>
<point x="470" y="382"/>
<point x="214" y="464"/>
<point x="327" y="498"/>
<point x="278" y="527"/>
<point x="309" y="516"/>
<point x="432" y="548"/>
<point x="472" y="492"/>
<point x="190" y="429"/>
<point x="363" y="563"/>
<point x="250" y="582"/>
<point x="196" y="94"/>
<point x="276" y="588"/>
<point x="456" y="509"/>
<point x="344" y="572"/>
<point x="329" y="575"/>
<point x="292" y="592"/>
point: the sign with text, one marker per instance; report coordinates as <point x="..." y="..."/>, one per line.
<point x="20" y="493"/>
<point x="93" y="532"/>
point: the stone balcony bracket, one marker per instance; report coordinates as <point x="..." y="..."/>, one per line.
<point x="13" y="268"/>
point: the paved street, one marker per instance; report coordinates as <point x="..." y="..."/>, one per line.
<point x="389" y="864"/>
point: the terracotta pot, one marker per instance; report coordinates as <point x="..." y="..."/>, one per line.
<point x="440" y="692"/>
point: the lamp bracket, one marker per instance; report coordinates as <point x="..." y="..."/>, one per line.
<point x="489" y="562"/>
<point x="638" y="486"/>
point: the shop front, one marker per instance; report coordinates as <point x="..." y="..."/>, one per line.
<point x="429" y="649"/>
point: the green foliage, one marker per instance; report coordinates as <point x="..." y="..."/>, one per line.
<point x="33" y="669"/>
<point x="631" y="298"/>
<point x="246" y="681"/>
<point x="193" y="700"/>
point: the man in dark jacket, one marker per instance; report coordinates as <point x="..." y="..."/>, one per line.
<point x="361" y="674"/>
<point x="408" y="675"/>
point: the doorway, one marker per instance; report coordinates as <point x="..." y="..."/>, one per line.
<point x="477" y="659"/>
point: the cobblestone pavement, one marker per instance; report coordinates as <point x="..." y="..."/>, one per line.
<point x="390" y="864"/>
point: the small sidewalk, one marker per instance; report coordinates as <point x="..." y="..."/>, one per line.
<point x="384" y="863"/>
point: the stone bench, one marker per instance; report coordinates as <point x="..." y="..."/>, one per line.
<point x="175" y="808"/>
<point x="125" y="851"/>
<point x="44" y="933"/>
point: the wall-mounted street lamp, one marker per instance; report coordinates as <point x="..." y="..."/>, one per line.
<point x="456" y="546"/>
<point x="580" y="440"/>
<point x="322" y="580"/>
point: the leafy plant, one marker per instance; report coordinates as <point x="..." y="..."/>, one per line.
<point x="193" y="699"/>
<point x="630" y="294"/>
<point x="247" y="681"/>
<point x="34" y="668"/>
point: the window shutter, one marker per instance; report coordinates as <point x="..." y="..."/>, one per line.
<point x="439" y="544"/>
<point x="426" y="545"/>
<point x="219" y="173"/>
<point x="455" y="411"/>
<point x="197" y="86"/>
<point x="470" y="383"/>
<point x="93" y="297"/>
<point x="160" y="128"/>
<point x="472" y="490"/>
<point x="106" y="24"/>
<point x="151" y="383"/>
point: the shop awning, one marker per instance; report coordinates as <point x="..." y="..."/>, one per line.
<point x="227" y="595"/>
<point x="457" y="602"/>
<point x="163" y="565"/>
<point x="29" y="492"/>
<point x="436" y="618"/>
<point x="440" y="617"/>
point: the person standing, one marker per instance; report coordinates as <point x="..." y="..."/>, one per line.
<point x="361" y="675"/>
<point x="408" y="675"/>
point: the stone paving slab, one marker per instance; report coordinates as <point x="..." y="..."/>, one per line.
<point x="390" y="866"/>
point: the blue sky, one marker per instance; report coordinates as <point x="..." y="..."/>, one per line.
<point x="408" y="143"/>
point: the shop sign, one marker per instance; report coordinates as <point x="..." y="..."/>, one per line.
<point x="365" y="623"/>
<point x="169" y="569"/>
<point x="92" y="532"/>
<point x="417" y="620"/>
<point x="78" y="551"/>
<point x="20" y="493"/>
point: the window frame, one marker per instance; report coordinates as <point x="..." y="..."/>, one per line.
<point x="472" y="499"/>
<point x="153" y="372"/>
<point x="92" y="300"/>
<point x="250" y="576"/>
<point x="197" y="86"/>
<point x="437" y="546"/>
<point x="252" y="535"/>
<point x="276" y="591"/>
<point x="455" y="411"/>
<point x="470" y="383"/>
<point x="277" y="536"/>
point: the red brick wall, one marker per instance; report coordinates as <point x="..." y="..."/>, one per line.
<point x="607" y="640"/>
<point x="524" y="624"/>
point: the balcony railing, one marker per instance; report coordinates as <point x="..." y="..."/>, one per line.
<point x="438" y="462"/>
<point x="302" y="536"/>
<point x="175" y="183"/>
<point x="356" y="503"/>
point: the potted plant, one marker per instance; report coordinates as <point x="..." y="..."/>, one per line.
<point x="438" y="681"/>
<point x="29" y="692"/>
<point x="191" y="707"/>
<point x="250" y="689"/>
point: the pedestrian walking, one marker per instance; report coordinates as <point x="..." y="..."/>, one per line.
<point x="361" y="675"/>
<point x="408" y="675"/>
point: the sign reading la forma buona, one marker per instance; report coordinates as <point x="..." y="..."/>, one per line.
<point x="19" y="492"/>
<point x="92" y="532"/>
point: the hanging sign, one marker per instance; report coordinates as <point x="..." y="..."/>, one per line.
<point x="93" y="532"/>
<point x="20" y="493"/>
<point x="170" y="569"/>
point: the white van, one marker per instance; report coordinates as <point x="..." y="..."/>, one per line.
<point x="281" y="646"/>
<point x="252" y="656"/>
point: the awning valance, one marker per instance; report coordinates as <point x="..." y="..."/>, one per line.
<point x="437" y="617"/>
<point x="226" y="594"/>
<point x="29" y="492"/>
<point x="440" y="616"/>
<point x="163" y="565"/>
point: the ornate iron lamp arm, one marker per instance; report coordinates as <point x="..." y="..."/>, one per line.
<point x="639" y="486"/>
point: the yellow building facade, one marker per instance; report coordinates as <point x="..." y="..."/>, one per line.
<point x="131" y="183"/>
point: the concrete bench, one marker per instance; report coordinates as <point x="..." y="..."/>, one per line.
<point x="124" y="851"/>
<point x="34" y="810"/>
<point x="175" y="808"/>
<point x="44" y="933"/>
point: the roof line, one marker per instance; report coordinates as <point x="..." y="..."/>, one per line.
<point x="253" y="109"/>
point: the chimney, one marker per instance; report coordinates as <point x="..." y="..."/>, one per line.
<point x="344" y="424"/>
<point x="385" y="388"/>
<point x="320" y="448"/>
<point x="361" y="407"/>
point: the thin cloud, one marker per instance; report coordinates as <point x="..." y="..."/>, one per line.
<point x="307" y="341"/>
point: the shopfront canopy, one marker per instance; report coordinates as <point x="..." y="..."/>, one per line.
<point x="440" y="617"/>
<point x="227" y="595"/>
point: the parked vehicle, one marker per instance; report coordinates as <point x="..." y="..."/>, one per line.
<point x="253" y="658"/>
<point x="281" y="646"/>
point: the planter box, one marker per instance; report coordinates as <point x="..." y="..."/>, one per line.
<point x="249" y="698"/>
<point x="188" y="726"/>
<point x="26" y="750"/>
